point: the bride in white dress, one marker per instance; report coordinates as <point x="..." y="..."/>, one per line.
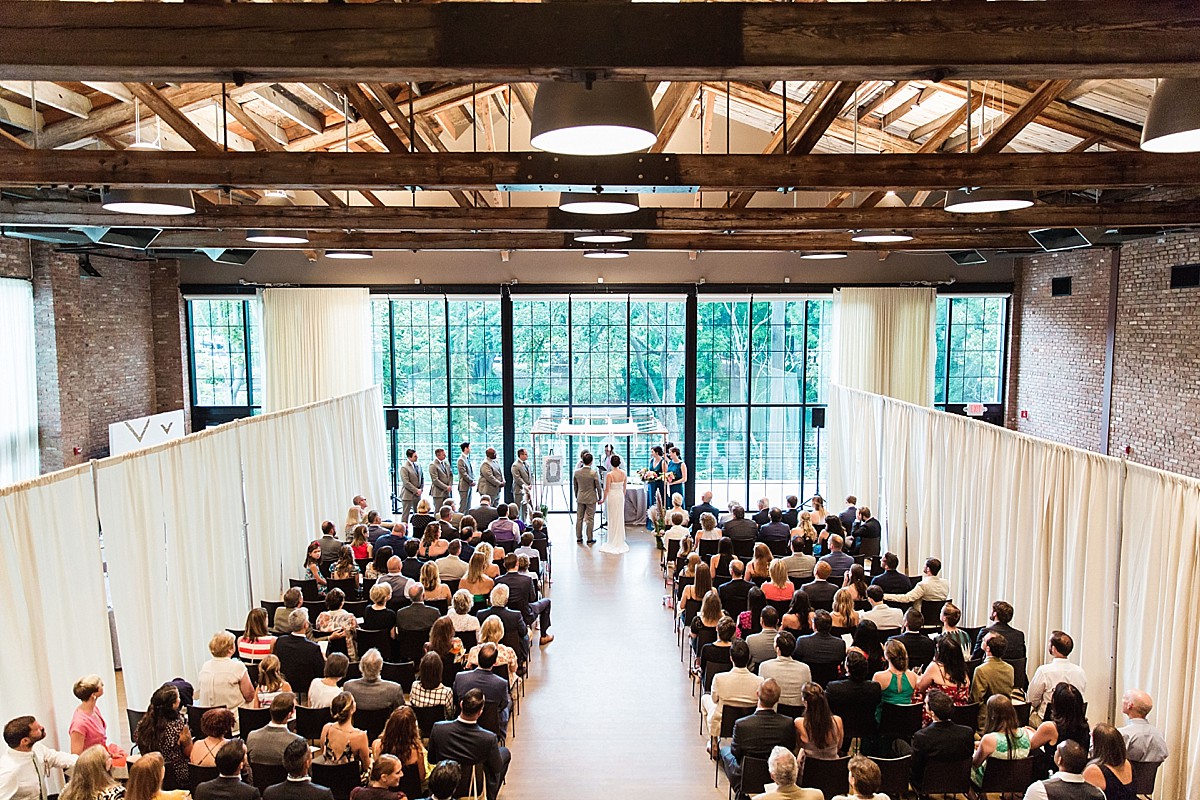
<point x="614" y="498"/>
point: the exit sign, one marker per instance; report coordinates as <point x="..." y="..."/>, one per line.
<point x="974" y="409"/>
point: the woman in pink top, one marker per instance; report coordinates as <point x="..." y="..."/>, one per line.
<point x="778" y="587"/>
<point x="87" y="726"/>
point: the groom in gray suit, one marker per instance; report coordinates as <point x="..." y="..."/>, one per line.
<point x="440" y="478"/>
<point x="412" y="482"/>
<point x="466" y="477"/>
<point x="587" y="495"/>
<point x="522" y="482"/>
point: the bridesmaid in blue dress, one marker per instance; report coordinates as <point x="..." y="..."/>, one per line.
<point x="677" y="472"/>
<point x="658" y="464"/>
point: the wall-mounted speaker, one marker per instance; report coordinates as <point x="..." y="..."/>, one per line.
<point x="818" y="418"/>
<point x="391" y="418"/>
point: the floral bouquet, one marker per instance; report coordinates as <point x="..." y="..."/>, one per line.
<point x="647" y="475"/>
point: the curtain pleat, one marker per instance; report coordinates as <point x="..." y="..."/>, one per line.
<point x="883" y="341"/>
<point x="19" y="456"/>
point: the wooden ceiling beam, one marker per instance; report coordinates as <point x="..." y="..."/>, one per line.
<point x="388" y="43"/>
<point x="913" y="100"/>
<point x="52" y="95"/>
<point x="1045" y="94"/>
<point x="173" y="117"/>
<point x="117" y="91"/>
<point x="881" y="98"/>
<point x="379" y="126"/>
<point x="469" y="171"/>
<point x="289" y="108"/>
<point x="671" y="109"/>
<point x="21" y="116"/>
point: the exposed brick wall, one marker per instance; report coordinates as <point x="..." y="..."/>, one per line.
<point x="14" y="258"/>
<point x="170" y="340"/>
<point x="1156" y="369"/>
<point x="1058" y="347"/>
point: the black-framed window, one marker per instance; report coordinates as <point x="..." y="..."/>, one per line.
<point x="971" y="335"/>
<point x="225" y="343"/>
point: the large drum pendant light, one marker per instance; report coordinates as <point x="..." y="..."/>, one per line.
<point x="1173" y="121"/>
<point x="598" y="203"/>
<point x="275" y="199"/>
<point x="142" y="200"/>
<point x="600" y="119"/>
<point x="986" y="201"/>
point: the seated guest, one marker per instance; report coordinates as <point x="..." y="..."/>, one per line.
<point x="435" y="590"/>
<point x="704" y="624"/>
<point x="493" y="687"/>
<point x="379" y="561"/>
<point x="819" y="590"/>
<point x="735" y="591"/>
<point x="377" y="616"/>
<point x="699" y="588"/>
<point x="146" y="779"/>
<point x="790" y="674"/>
<point x="228" y="784"/>
<point x="345" y="568"/>
<point x="477" y="581"/>
<point x="721" y="563"/>
<point x="311" y="571"/>
<point x="323" y="691"/>
<point x="775" y="531"/>
<point x="463" y="741"/>
<point x="763" y="515"/>
<point x="505" y="529"/>
<point x="677" y="508"/>
<point x="338" y="622"/>
<point x="460" y="612"/>
<point x="371" y="692"/>
<point x="450" y="566"/>
<point x="483" y="514"/>
<point x="267" y="744"/>
<point x="1110" y="770"/>
<point x="299" y="658"/>
<point x="947" y="673"/>
<point x="750" y="620"/>
<point x="410" y="567"/>
<point x="883" y="615"/>
<point x="396" y="579"/>
<point x="806" y="532"/>
<point x="222" y="680"/>
<point x="762" y="643"/>
<point x="384" y="781"/>
<point x="376" y="528"/>
<point x="798" y="617"/>
<point x="717" y="653"/>
<point x="432" y="544"/>
<point x="891" y="580"/>
<point x="91" y="777"/>
<point x="844" y="615"/>
<point x="778" y="587"/>
<point x="759" y="733"/>
<point x="791" y="514"/>
<point x="1058" y="670"/>
<point x="896" y="683"/>
<point x="799" y="565"/>
<point x="522" y="596"/>
<point x="1068" y="720"/>
<point x="449" y="648"/>
<point x="88" y="727"/>
<point x="759" y="568"/>
<point x="254" y="643"/>
<point x="993" y="676"/>
<point x="1143" y="741"/>
<point x="709" y="530"/>
<point x="1068" y="782"/>
<point x="331" y="546"/>
<point x="444" y="779"/>
<point x="1001" y="616"/>
<point x="941" y="740"/>
<point x="270" y="682"/>
<point x="421" y="519"/>
<point x="341" y="742"/>
<point x="865" y="780"/>
<point x="217" y="725"/>
<point x="416" y="616"/>
<point x="839" y="563"/>
<point x="705" y="506"/>
<point x="428" y="691"/>
<point x="855" y="699"/>
<point x="527" y="549"/>
<point x="820" y="647"/>
<point x="918" y="645"/>
<point x="819" y="731"/>
<point x="785" y="772"/>
<point x="293" y="598"/>
<point x="359" y="546"/>
<point x="951" y="614"/>
<point x="867" y="532"/>
<point x="394" y="541"/>
<point x="164" y="730"/>
<point x="738" y="527"/>
<point x="516" y="632"/>
<point x="1003" y="737"/>
<point x="932" y="587"/>
<point x="297" y="759"/>
<point x="401" y="739"/>
<point x="737" y="687"/>
<point x="855" y="580"/>
<point x="866" y="640"/>
<point x="492" y="632"/>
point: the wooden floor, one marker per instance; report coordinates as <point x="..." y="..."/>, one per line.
<point x="608" y="709"/>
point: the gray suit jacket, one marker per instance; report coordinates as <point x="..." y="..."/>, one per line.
<point x="412" y="480"/>
<point x="440" y="478"/>
<point x="466" y="473"/>
<point x="587" y="486"/>
<point x="491" y="478"/>
<point x="521" y="479"/>
<point x="266" y="745"/>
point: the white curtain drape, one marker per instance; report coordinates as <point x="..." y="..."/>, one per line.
<point x="52" y="583"/>
<point x="19" y="458"/>
<point x="884" y="341"/>
<point x="316" y="343"/>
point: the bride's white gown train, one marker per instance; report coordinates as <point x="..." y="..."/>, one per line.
<point x="615" y="515"/>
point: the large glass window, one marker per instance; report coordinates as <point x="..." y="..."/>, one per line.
<point x="226" y="359"/>
<point x="970" y="337"/>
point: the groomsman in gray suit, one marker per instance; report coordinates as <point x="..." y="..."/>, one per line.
<point x="412" y="482"/>
<point x="440" y="478"/>
<point x="466" y="477"/>
<point x="587" y="495"/>
<point x="491" y="477"/>
<point x="522" y="482"/>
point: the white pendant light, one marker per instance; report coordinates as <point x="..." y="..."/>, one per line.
<point x="1173" y="120"/>
<point x="606" y="254"/>
<point x="349" y="255"/>
<point x="598" y="203"/>
<point x="603" y="118"/>
<point x="148" y="201"/>
<point x="814" y="255"/>
<point x="986" y="201"/>
<point x="276" y="235"/>
<point x="603" y="237"/>
<point x="881" y="237"/>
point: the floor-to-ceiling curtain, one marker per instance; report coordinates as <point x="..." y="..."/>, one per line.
<point x="855" y="424"/>
<point x="316" y="344"/>
<point x="883" y="340"/>
<point x="18" y="388"/>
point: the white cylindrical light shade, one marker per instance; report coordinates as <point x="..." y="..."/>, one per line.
<point x="349" y="255"/>
<point x="986" y="201"/>
<point x="603" y="237"/>
<point x="589" y="203"/>
<point x="606" y="254"/>
<point x="881" y="237"/>
<point x="1173" y="120"/>
<point x="135" y="200"/>
<point x="276" y="199"/>
<point x="823" y="256"/>
<point x="608" y="118"/>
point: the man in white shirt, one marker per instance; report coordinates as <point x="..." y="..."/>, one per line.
<point x="1143" y="741"/>
<point x="450" y="566"/>
<point x="738" y="687"/>
<point x="1058" y="670"/>
<point x="26" y="764"/>
<point x="790" y="674"/>
<point x="883" y="615"/>
<point x="1070" y="758"/>
<point x="931" y="587"/>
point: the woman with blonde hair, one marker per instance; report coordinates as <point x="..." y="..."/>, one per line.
<point x="146" y="780"/>
<point x="384" y="780"/>
<point x="223" y="681"/>
<point x="493" y="632"/>
<point x="422" y="518"/>
<point x="477" y="581"/>
<point x="91" y="779"/>
<point x="844" y="615"/>
<point x="271" y="682"/>
<point x="760" y="566"/>
<point x="432" y="581"/>
<point x="778" y="587"/>
<point x="341" y="742"/>
<point x="708" y="527"/>
<point x="804" y="529"/>
<point x="88" y="727"/>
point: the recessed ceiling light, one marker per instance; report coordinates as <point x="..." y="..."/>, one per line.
<point x="881" y="237"/>
<point x="598" y="203"/>
<point x="986" y="201"/>
<point x="606" y="254"/>
<point x="603" y="237"/>
<point x="603" y="118"/>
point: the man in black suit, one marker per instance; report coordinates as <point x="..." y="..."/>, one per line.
<point x="484" y="515"/>
<point x="763" y="515"/>
<point x="705" y="506"/>
<point x="941" y="740"/>
<point x="297" y="759"/>
<point x="734" y="592"/>
<point x="516" y="632"/>
<point x="228" y="786"/>
<point x="739" y="528"/>
<point x="299" y="659"/>
<point x="482" y="678"/>
<point x="774" y="532"/>
<point x="820" y="646"/>
<point x="376" y="528"/>
<point x="756" y="734"/>
<point x="919" y="646"/>
<point x="416" y="616"/>
<point x="462" y="740"/>
<point x="791" y="514"/>
<point x="522" y="594"/>
<point x="820" y="591"/>
<point x="891" y="579"/>
<point x="410" y="567"/>
<point x="867" y="533"/>
<point x="850" y="515"/>
<point x="1001" y="616"/>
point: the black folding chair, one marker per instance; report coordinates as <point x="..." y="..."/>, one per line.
<point x="755" y="777"/>
<point x="194" y="713"/>
<point x="403" y="673"/>
<point x="1008" y="776"/>
<point x="707" y="548"/>
<point x="469" y="639"/>
<point x="308" y="589"/>
<point x="251" y="719"/>
<point x="409" y="645"/>
<point x="134" y="717"/>
<point x="1145" y="773"/>
<point x="371" y="721"/>
<point x="340" y="779"/>
<point x="473" y="783"/>
<point x="489" y="720"/>
<point x="198" y="775"/>
<point x="379" y="640"/>
<point x="830" y="775"/>
<point x="267" y="775"/>
<point x="271" y="606"/>
<point x="729" y="717"/>
<point x="824" y="673"/>
<point x="349" y="586"/>
<point x="900" y="721"/>
<point x="966" y="715"/>
<point x="931" y="610"/>
<point x="428" y="716"/>
<point x="894" y="774"/>
<point x="945" y="777"/>
<point x="310" y="721"/>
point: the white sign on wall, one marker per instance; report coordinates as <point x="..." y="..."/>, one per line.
<point x="134" y="434"/>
